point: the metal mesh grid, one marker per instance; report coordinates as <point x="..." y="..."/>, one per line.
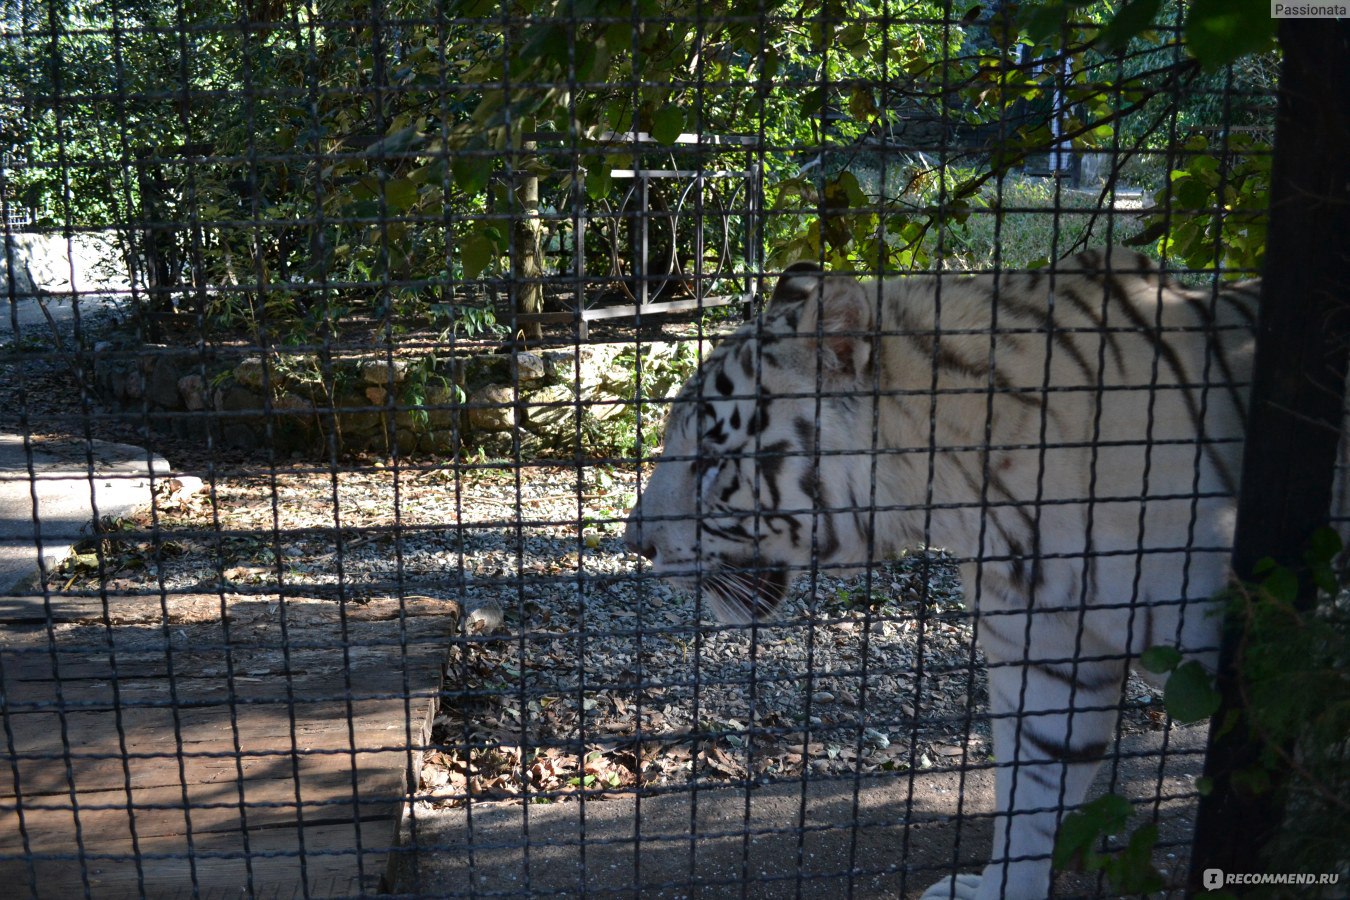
<point x="354" y="329"/>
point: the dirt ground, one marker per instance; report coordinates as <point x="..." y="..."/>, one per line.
<point x="882" y="837"/>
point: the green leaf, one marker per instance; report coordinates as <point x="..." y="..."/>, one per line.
<point x="1083" y="828"/>
<point x="1281" y="584"/>
<point x="1042" y="21"/>
<point x="1190" y="695"/>
<point x="812" y="101"/>
<point x="1133" y="19"/>
<point x="1204" y="785"/>
<point x="400" y="195"/>
<point x="861" y="105"/>
<point x="396" y="142"/>
<point x="477" y="253"/>
<point x="667" y="124"/>
<point x="599" y="181"/>
<point x="1219" y="31"/>
<point x="471" y="173"/>
<point x="1254" y="780"/>
<point x="1155" y="229"/>
<point x="1323" y="546"/>
<point x="1160" y="659"/>
<point x="1132" y="871"/>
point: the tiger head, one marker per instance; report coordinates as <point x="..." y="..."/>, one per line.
<point x="764" y="470"/>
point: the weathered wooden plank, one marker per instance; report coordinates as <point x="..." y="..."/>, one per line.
<point x="184" y="609"/>
<point x="193" y="653"/>
<point x="165" y="867"/>
<point x="43" y="778"/>
<point x="335" y="788"/>
<point x="32" y="682"/>
<point x="337" y="718"/>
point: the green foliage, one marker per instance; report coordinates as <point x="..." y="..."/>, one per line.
<point x="650" y="379"/>
<point x="1130" y="870"/>
<point x="1212" y="213"/>
<point x="1219" y="31"/>
<point x="1189" y="695"/>
<point x="362" y="174"/>
<point x="1294" y="667"/>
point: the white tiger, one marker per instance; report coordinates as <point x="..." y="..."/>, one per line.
<point x="1073" y="434"/>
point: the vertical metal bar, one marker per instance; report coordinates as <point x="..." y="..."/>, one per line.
<point x="753" y="264"/>
<point x="1297" y="393"/>
<point x="644" y="220"/>
<point x="699" y="210"/>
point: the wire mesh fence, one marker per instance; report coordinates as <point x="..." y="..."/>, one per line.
<point x="512" y="449"/>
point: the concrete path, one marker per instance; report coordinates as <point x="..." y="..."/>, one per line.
<point x="57" y="475"/>
<point x="33" y="321"/>
<point x="68" y="479"/>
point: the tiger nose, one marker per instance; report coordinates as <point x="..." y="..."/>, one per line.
<point x="633" y="540"/>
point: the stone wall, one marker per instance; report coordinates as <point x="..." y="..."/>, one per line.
<point x="86" y="263"/>
<point x="537" y="402"/>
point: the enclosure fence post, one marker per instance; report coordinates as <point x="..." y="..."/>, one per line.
<point x="1296" y="403"/>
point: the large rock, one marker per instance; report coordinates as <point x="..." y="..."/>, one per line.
<point x="236" y="398"/>
<point x="492" y="408"/>
<point x="384" y="371"/>
<point x="529" y="368"/>
<point x="549" y="409"/>
<point x="442" y="404"/>
<point x="250" y="374"/>
<point x="192" y="390"/>
<point x="15" y="266"/>
<point x="161" y="389"/>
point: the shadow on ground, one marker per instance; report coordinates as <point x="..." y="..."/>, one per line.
<point x="892" y="838"/>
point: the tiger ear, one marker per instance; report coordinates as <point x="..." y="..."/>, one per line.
<point x="835" y="311"/>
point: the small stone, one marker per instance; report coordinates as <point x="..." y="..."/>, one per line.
<point x="876" y="738"/>
<point x="377" y="395"/>
<point x="485" y="619"/>
<point x="822" y="697"/>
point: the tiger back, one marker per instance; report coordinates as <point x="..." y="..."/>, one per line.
<point x="1073" y="436"/>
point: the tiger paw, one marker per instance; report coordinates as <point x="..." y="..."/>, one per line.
<point x="957" y="887"/>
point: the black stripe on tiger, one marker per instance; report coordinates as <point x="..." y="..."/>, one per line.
<point x="1096" y="317"/>
<point x="946" y="359"/>
<point x="1243" y="299"/>
<point x="1061" y="752"/>
<point x="1045" y="321"/>
<point x="1169" y="355"/>
<point x="1080" y="676"/>
<point x="1236" y="394"/>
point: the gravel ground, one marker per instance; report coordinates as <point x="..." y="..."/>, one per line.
<point x="574" y="670"/>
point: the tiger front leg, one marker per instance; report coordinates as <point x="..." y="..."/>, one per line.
<point x="1052" y="724"/>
